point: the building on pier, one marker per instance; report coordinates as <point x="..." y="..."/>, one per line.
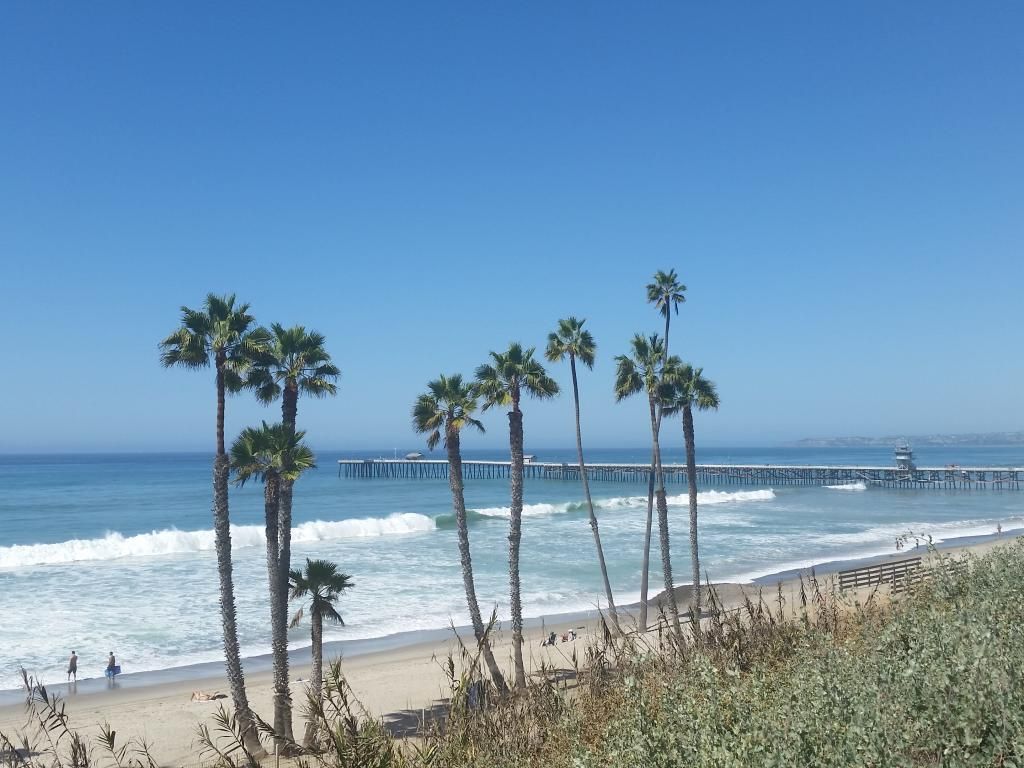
<point x="904" y="457"/>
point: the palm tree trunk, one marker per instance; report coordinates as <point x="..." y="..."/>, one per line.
<point x="590" y="503"/>
<point x="645" y="573"/>
<point x="691" y="482"/>
<point x="283" y="541"/>
<point x="662" y="505"/>
<point x="289" y="404"/>
<point x="316" y="674"/>
<point x="515" y="534"/>
<point x="455" y="481"/>
<point x="279" y="638"/>
<point x="222" y="540"/>
<point x="284" y="552"/>
<point x="644" y="577"/>
<point x="221" y="396"/>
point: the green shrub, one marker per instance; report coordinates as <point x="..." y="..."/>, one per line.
<point x="938" y="683"/>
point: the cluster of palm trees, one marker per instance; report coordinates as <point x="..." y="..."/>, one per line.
<point x="286" y="363"/>
<point x="672" y="387"/>
<point x="275" y="363"/>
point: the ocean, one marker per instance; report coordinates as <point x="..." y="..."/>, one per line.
<point x="115" y="552"/>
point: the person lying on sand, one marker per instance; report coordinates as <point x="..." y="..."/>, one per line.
<point x="204" y="696"/>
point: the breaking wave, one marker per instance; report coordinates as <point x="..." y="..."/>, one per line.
<point x="114" y="545"/>
<point x="534" y="510"/>
<point x="724" y="497"/>
<point x="860" y="485"/>
<point x="621" y="502"/>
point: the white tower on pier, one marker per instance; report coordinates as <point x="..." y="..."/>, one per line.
<point x="904" y="457"/>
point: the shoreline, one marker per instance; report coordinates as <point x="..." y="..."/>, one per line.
<point x="828" y="567"/>
<point x="261" y="664"/>
<point x="396" y="679"/>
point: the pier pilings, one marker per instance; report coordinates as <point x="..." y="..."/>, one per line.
<point x="950" y="477"/>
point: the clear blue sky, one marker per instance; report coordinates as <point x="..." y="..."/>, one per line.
<point x="841" y="187"/>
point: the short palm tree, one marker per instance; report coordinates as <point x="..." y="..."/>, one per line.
<point x="275" y="455"/>
<point x="641" y="372"/>
<point x="691" y="390"/>
<point x="503" y="382"/>
<point x="221" y="334"/>
<point x="442" y="412"/>
<point x="295" y="363"/>
<point x="573" y="341"/>
<point x="323" y="583"/>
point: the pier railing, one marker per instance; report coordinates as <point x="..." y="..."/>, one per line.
<point x="953" y="476"/>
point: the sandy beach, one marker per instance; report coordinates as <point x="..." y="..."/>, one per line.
<point x="396" y="684"/>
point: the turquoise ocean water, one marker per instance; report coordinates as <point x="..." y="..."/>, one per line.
<point x="101" y="552"/>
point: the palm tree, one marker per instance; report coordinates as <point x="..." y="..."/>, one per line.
<point x="447" y="408"/>
<point x="275" y="455"/>
<point x="294" y="363"/>
<point x="324" y="583"/>
<point x="221" y="334"/>
<point x="502" y="383"/>
<point x="572" y="341"/>
<point x="641" y="372"/>
<point x="691" y="390"/>
<point x="666" y="293"/>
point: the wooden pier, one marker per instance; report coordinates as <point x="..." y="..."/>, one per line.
<point x="951" y="477"/>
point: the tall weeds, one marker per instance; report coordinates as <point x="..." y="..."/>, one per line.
<point x="48" y="740"/>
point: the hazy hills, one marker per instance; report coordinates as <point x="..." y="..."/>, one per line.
<point x="968" y="439"/>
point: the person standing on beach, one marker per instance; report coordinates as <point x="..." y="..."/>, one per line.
<point x="73" y="667"/>
<point x="111" y="664"/>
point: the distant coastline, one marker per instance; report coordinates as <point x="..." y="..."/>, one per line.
<point x="967" y="440"/>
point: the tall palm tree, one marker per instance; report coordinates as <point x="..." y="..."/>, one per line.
<point x="221" y="334"/>
<point x="573" y="341"/>
<point x="446" y="409"/>
<point x="503" y="382"/>
<point x="666" y="293"/>
<point x="691" y="390"/>
<point x="295" y="363"/>
<point x="642" y="372"/>
<point x="275" y="455"/>
<point x="324" y="583"/>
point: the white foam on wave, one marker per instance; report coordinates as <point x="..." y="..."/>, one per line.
<point x="860" y="485"/>
<point x="529" y="510"/>
<point x="704" y="498"/>
<point x="632" y="502"/>
<point x="397" y="523"/>
<point x="114" y="545"/>
<point x="725" y="497"/>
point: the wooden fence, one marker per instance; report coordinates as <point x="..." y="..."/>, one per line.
<point x="898" y="574"/>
